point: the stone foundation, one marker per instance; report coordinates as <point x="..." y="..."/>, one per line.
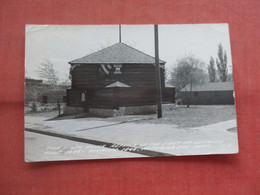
<point x="133" y="110"/>
<point x="123" y="111"/>
<point x="137" y="110"/>
<point x="102" y="112"/>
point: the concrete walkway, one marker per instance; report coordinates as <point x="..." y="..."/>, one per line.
<point x="161" y="138"/>
<point x="40" y="147"/>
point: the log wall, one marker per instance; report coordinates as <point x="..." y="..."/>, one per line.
<point x="91" y="76"/>
<point x="113" y="98"/>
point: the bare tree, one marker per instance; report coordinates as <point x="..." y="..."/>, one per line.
<point x="32" y="93"/>
<point x="49" y="74"/>
<point x="66" y="82"/>
<point x="188" y="73"/>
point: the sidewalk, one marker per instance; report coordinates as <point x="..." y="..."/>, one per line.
<point x="40" y="147"/>
<point x="163" y="138"/>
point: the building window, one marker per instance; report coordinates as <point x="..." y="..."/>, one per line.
<point x="118" y="69"/>
<point x="196" y="94"/>
<point x="45" y="99"/>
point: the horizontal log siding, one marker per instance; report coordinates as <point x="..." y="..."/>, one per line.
<point x="113" y="98"/>
<point x="121" y="97"/>
<point x="136" y="75"/>
<point x="74" y="98"/>
<point x="84" y="76"/>
<point x="103" y="98"/>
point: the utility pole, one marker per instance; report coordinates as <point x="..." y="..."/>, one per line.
<point x="119" y="33"/>
<point x="158" y="76"/>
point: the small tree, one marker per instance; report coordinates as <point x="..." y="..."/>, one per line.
<point x="50" y="76"/>
<point x="230" y="77"/>
<point x="34" y="92"/>
<point x="212" y="70"/>
<point x="221" y="62"/>
<point x="188" y="73"/>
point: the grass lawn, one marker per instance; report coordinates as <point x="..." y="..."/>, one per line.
<point x="181" y="116"/>
<point x="194" y="116"/>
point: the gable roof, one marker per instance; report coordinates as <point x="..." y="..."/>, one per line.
<point x="117" y="84"/>
<point x="118" y="53"/>
<point x="223" y="86"/>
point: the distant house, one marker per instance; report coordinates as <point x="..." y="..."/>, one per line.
<point x="54" y="96"/>
<point x="211" y="93"/>
<point x="29" y="81"/>
<point x="37" y="91"/>
<point x="32" y="90"/>
<point x="116" y="77"/>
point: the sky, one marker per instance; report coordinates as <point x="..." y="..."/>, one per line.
<point x="63" y="43"/>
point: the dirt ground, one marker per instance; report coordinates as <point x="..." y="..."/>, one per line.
<point x="181" y="116"/>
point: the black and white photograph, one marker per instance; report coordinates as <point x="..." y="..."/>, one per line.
<point x="128" y="91"/>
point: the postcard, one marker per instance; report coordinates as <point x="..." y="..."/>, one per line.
<point x="128" y="91"/>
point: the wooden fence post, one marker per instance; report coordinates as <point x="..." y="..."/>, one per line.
<point x="58" y="102"/>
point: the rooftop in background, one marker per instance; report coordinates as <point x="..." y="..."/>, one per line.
<point x="118" y="53"/>
<point x="222" y="86"/>
<point x="33" y="81"/>
<point x="168" y="85"/>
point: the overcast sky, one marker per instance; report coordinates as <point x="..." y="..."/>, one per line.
<point x="63" y="43"/>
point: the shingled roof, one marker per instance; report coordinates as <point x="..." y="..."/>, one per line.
<point x="223" y="86"/>
<point x="118" y="53"/>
